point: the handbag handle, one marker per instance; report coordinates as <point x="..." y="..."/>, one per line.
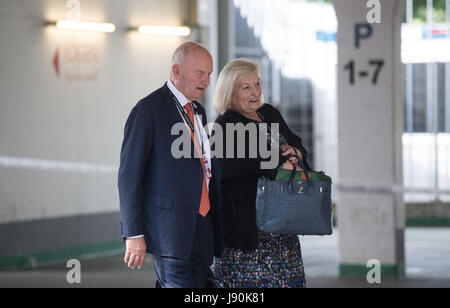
<point x="291" y="177"/>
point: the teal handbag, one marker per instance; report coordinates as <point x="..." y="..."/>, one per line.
<point x="297" y="202"/>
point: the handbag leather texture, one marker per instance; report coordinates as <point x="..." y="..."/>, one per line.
<point x="293" y="206"/>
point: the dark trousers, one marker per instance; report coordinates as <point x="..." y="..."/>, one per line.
<point x="192" y="272"/>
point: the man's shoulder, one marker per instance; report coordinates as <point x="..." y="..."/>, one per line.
<point x="151" y="104"/>
<point x="155" y="98"/>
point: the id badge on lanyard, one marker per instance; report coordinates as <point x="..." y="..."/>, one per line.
<point x="195" y="132"/>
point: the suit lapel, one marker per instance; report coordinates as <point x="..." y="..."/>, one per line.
<point x="172" y="115"/>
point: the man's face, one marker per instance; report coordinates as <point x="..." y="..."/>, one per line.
<point x="192" y="78"/>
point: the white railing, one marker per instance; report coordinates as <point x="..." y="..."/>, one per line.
<point x="426" y="166"/>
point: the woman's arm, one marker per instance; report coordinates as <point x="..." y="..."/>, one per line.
<point x="292" y="139"/>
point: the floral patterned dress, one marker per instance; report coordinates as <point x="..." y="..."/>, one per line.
<point x="276" y="263"/>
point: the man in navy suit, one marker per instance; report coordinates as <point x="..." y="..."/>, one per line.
<point x="171" y="207"/>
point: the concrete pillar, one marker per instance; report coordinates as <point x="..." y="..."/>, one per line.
<point x="225" y="11"/>
<point x="371" y="218"/>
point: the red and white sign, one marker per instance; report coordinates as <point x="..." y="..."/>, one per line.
<point x="77" y="61"/>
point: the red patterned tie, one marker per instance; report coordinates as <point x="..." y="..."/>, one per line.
<point x="204" y="201"/>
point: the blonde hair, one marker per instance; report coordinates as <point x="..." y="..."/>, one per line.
<point x="228" y="79"/>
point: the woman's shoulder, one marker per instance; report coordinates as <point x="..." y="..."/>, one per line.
<point x="269" y="110"/>
<point x="229" y="116"/>
<point x="268" y="107"/>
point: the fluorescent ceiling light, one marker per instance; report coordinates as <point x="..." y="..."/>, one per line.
<point x="165" y="30"/>
<point x="85" y="26"/>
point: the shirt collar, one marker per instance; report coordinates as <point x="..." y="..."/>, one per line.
<point x="180" y="97"/>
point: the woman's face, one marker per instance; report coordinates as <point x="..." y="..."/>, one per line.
<point x="247" y="94"/>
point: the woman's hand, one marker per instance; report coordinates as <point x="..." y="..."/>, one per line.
<point x="288" y="165"/>
<point x="291" y="151"/>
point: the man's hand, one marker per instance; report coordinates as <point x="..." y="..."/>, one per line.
<point x="135" y="253"/>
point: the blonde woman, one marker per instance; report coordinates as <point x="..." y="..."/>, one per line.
<point x="251" y="258"/>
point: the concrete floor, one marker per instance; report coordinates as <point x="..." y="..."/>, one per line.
<point x="427" y="265"/>
<point x="427" y="254"/>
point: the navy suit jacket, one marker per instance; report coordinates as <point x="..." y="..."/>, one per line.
<point x="160" y="195"/>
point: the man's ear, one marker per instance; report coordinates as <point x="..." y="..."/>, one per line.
<point x="176" y="71"/>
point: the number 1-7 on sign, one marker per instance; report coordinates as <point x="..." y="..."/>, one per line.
<point x="350" y="67"/>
